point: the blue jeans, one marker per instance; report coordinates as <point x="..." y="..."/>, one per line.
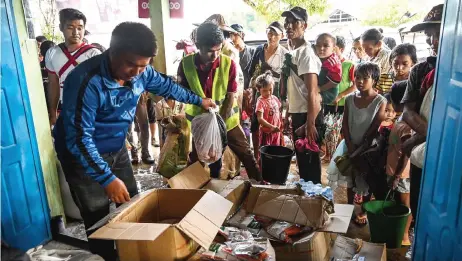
<point x="90" y="197"/>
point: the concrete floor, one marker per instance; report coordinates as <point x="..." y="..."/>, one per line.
<point x="147" y="179"/>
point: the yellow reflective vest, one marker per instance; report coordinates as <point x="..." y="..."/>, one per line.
<point x="219" y="89"/>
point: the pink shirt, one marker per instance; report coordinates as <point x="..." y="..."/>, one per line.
<point x="399" y="133"/>
<point x="270" y="109"/>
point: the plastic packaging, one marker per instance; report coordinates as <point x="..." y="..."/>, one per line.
<point x="207" y="137"/>
<point x="251" y="250"/>
<point x="312" y="190"/>
<point x="284" y="230"/>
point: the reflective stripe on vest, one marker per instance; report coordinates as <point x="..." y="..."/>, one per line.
<point x="219" y="89"/>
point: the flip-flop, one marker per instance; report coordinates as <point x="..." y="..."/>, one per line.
<point x="355" y="219"/>
<point x="406" y="243"/>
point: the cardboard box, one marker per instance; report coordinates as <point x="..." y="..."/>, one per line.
<point x="314" y="247"/>
<point x="270" y="251"/>
<point x="196" y="177"/>
<point x="255" y="191"/>
<point x="293" y="208"/>
<point x="165" y="224"/>
<point x="346" y="248"/>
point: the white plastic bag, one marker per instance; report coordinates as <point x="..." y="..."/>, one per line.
<point x="207" y="137"/>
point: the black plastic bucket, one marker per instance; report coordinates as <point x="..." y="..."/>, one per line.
<point x="275" y="163"/>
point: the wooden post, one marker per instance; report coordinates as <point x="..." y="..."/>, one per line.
<point x="159" y="11"/>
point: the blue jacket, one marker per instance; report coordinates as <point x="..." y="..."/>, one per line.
<point x="97" y="112"/>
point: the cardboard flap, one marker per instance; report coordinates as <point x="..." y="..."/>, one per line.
<point x="130" y="231"/>
<point x="340" y="220"/>
<point x="205" y="218"/>
<point x="193" y="177"/>
<point x="121" y="209"/>
<point x="295" y="209"/>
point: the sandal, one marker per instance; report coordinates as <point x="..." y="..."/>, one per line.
<point x="406" y="243"/>
<point x="359" y="220"/>
<point x="358" y="200"/>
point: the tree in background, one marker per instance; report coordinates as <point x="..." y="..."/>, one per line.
<point x="271" y="9"/>
<point x="392" y="13"/>
<point x="50" y="26"/>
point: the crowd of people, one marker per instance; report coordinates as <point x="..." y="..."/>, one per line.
<point x="264" y="93"/>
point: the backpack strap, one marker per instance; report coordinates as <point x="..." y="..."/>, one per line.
<point x="72" y="59"/>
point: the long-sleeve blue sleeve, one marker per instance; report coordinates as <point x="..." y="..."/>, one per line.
<point x="79" y="122"/>
<point x="162" y="85"/>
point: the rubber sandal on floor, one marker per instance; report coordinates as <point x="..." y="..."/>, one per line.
<point x="406" y="243"/>
<point x="355" y="220"/>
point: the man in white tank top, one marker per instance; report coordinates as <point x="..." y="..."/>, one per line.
<point x="63" y="58"/>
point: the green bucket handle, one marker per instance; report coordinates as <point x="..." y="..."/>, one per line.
<point x="386" y="198"/>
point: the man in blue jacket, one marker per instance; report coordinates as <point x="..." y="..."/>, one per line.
<point x="100" y="98"/>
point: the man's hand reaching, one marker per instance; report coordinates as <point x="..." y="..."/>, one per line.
<point x="208" y="103"/>
<point x="117" y="191"/>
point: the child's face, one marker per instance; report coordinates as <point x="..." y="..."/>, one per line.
<point x="325" y="46"/>
<point x="390" y="112"/>
<point x="358" y="50"/>
<point x="364" y="82"/>
<point x="402" y="65"/>
<point x="371" y="48"/>
<point x="339" y="51"/>
<point x="266" y="91"/>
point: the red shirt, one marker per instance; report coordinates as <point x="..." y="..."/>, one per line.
<point x="206" y="77"/>
<point x="270" y="109"/>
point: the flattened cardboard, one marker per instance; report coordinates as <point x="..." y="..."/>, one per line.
<point x="340" y="220"/>
<point x="346" y="248"/>
<point x="255" y="190"/>
<point x="294" y="209"/>
<point x="140" y="235"/>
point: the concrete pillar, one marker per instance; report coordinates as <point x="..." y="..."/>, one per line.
<point x="159" y="11"/>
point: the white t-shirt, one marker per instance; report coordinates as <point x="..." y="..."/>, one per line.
<point x="307" y="62"/>
<point x="276" y="61"/>
<point x="56" y="59"/>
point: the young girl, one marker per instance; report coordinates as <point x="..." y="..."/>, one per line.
<point x="268" y="113"/>
<point x="331" y="70"/>
<point x="390" y="115"/>
<point x="375" y="48"/>
<point x="402" y="58"/>
<point x="364" y="112"/>
<point x="398" y="165"/>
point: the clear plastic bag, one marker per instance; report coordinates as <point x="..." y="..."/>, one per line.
<point x="207" y="137"/>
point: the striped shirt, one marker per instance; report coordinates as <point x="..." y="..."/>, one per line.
<point x="386" y="80"/>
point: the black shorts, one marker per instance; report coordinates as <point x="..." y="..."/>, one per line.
<point x="150" y="104"/>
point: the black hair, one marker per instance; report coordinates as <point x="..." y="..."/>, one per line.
<point x="341" y="42"/>
<point x="372" y="35"/>
<point x="264" y="80"/>
<point x="404" y="49"/>
<point x="71" y="14"/>
<point x="99" y="47"/>
<point x="208" y="35"/>
<point x="397" y="92"/>
<point x="40" y="39"/>
<point x="135" y="38"/>
<point x="334" y="39"/>
<point x="45" y="46"/>
<point x="357" y="39"/>
<point x="388" y="97"/>
<point x="380" y="30"/>
<point x="370" y="69"/>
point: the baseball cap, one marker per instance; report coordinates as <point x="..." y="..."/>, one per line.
<point x="220" y="21"/>
<point x="238" y="28"/>
<point x="277" y="27"/>
<point x="433" y="17"/>
<point x="298" y="13"/>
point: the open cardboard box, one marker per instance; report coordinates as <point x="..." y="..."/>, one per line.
<point x="347" y="248"/>
<point x="165" y="224"/>
<point x="196" y="177"/>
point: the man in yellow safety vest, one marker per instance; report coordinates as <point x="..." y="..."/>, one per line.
<point x="211" y="74"/>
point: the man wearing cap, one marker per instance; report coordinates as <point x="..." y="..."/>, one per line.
<point x="212" y="74"/>
<point x="245" y="52"/>
<point x="268" y="56"/>
<point x="420" y="81"/>
<point x="301" y="70"/>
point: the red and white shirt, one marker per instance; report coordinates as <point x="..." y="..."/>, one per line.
<point x="61" y="62"/>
